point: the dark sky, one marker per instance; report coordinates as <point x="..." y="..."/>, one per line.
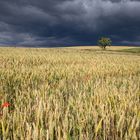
<point x="69" y="22"/>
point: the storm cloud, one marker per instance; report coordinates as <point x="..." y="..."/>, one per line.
<point x="69" y="22"/>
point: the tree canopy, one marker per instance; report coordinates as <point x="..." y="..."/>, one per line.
<point x="103" y="42"/>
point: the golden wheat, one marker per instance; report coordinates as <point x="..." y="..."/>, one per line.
<point x="69" y="94"/>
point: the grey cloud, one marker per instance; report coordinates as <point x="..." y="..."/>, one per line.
<point x="68" y="22"/>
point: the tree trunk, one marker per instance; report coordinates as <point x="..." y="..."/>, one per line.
<point x="104" y="47"/>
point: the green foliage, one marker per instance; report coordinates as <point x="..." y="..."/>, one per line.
<point x="131" y="50"/>
<point x="104" y="41"/>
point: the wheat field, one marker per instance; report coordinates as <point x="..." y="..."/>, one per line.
<point x="69" y="94"/>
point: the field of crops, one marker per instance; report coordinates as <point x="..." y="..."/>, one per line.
<point x="69" y="94"/>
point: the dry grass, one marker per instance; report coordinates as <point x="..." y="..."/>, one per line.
<point x="69" y="94"/>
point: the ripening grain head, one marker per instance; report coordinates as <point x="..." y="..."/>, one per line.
<point x="69" y="94"/>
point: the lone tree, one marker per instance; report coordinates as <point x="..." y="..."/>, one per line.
<point x="104" y="41"/>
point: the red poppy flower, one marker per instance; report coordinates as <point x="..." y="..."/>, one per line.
<point x="5" y="104"/>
